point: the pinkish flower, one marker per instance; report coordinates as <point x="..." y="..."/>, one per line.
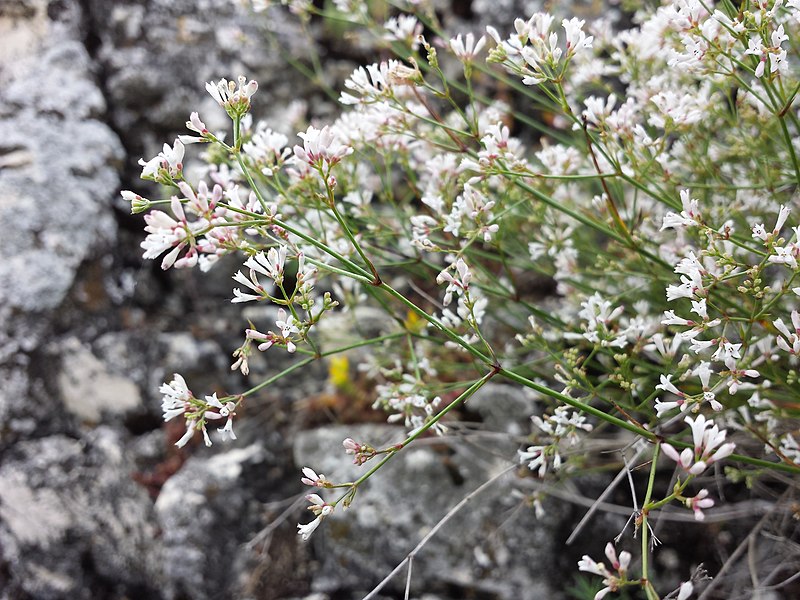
<point x="311" y="478"/>
<point x="700" y="502"/>
<point x="320" y="148"/>
<point x="195" y="124"/>
<point x="709" y="446"/>
<point x="166" y="166"/>
<point x="619" y="564"/>
<point x="321" y="509"/>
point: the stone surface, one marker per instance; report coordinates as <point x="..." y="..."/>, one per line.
<point x="398" y="506"/>
<point x="58" y="171"/>
<point x="88" y="389"/>
<point x="206" y="513"/>
<point x="73" y="524"/>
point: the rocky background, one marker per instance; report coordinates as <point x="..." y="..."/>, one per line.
<point x="95" y="500"/>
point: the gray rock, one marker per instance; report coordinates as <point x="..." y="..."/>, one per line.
<point x="157" y="55"/>
<point x="504" y="408"/>
<point x="88" y="389"/>
<point x="58" y="170"/>
<point x="206" y="514"/>
<point x="404" y="500"/>
<point x="66" y="504"/>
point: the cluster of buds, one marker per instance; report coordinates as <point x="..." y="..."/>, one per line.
<point x="559" y="426"/>
<point x="361" y="452"/>
<point x="320" y="149"/>
<point x="457" y="284"/>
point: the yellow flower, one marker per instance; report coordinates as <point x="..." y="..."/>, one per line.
<point x="413" y="322"/>
<point x="339" y="370"/>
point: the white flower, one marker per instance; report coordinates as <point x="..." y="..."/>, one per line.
<point x="270" y="264"/>
<point x="267" y="148"/>
<point x="227" y="431"/>
<point x="689" y="217"/>
<point x="536" y="458"/>
<point x="186" y="436"/>
<point x="252" y="283"/>
<point x="708" y="440"/>
<point x="321" y="509"/>
<point x="176" y="395"/>
<point x="789" y="341"/>
<point x="320" y="147"/>
<point x="458" y="284"/>
<point x="311" y="478"/>
<point x="235" y="101"/>
<point x="685" y="590"/>
<point x="403" y="28"/>
<point x="306" y="530"/>
<point x="611" y="581"/>
<point x="668" y="386"/>
<point x="467" y="49"/>
<point x="167" y="165"/>
<point x="697" y="504"/>
<point x="760" y="232"/>
<point x="575" y="37"/>
<point x="195" y="124"/>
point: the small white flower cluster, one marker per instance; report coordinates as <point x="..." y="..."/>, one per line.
<point x="405" y="29"/>
<point x="377" y="83"/>
<point x="178" y="400"/>
<point x="533" y="51"/>
<point x="709" y="446"/>
<point x="561" y="426"/>
<point x="500" y="151"/>
<point x="235" y="100"/>
<point x="321" y="149"/>
<point x="166" y="166"/>
<point x="267" y="149"/>
<point x="612" y="581"/>
<point x="600" y="323"/>
<point x="407" y="402"/>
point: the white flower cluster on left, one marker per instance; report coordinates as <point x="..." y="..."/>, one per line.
<point x="178" y="400"/>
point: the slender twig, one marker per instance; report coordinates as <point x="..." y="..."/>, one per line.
<point x="641" y="447"/>
<point x="450" y="514"/>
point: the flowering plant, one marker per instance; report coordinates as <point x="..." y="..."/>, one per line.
<point x="611" y="257"/>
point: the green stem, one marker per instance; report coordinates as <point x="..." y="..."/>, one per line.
<point x="307" y="361"/>
<point x="413" y="436"/>
<point x="645" y="529"/>
<point x="437" y="323"/>
<point x="790" y="146"/>
<point x="376" y="280"/>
